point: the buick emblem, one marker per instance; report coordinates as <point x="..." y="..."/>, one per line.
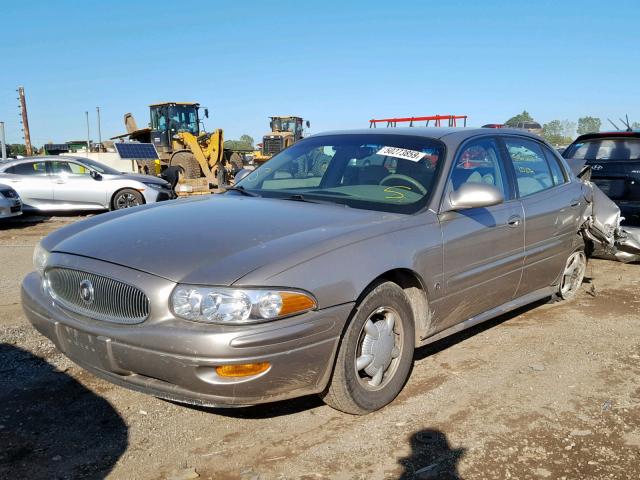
<point x="86" y="292"/>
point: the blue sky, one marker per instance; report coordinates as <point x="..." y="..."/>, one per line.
<point x="337" y="63"/>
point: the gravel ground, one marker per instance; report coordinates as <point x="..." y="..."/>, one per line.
<point x="551" y="391"/>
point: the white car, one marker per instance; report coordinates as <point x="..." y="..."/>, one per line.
<point x="10" y="203"/>
<point x="74" y="183"/>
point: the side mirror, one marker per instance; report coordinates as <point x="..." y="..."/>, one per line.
<point x="95" y="175"/>
<point x="475" y="195"/>
<point x="206" y="113"/>
<point x="308" y="124"/>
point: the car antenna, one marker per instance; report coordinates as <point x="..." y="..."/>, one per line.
<point x="614" y="125"/>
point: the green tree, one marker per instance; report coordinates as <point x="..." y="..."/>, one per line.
<point x="588" y="125"/>
<point x="558" y="132"/>
<point x="247" y="139"/>
<point x="14" y="149"/>
<point x="521" y="117"/>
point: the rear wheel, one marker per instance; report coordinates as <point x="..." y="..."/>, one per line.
<point x="573" y="275"/>
<point x="187" y="163"/>
<point x="126" y="198"/>
<point x="376" y="353"/>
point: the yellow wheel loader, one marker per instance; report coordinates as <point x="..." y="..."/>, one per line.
<point x="175" y="130"/>
<point x="285" y="131"/>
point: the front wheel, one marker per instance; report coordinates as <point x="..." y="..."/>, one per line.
<point x="126" y="198"/>
<point x="376" y="353"/>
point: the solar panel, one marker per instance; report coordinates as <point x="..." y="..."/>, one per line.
<point x="136" y="151"/>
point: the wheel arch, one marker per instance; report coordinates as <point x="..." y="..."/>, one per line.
<point x="414" y="288"/>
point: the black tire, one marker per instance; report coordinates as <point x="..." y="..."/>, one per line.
<point x="187" y="163"/>
<point x="126" y="198"/>
<point x="349" y="389"/>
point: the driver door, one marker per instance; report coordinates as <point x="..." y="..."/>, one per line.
<point x="483" y="248"/>
<point x="73" y="186"/>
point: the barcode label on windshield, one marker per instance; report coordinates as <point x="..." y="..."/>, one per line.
<point x="403" y="153"/>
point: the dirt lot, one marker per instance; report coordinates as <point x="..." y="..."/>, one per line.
<point x="552" y="391"/>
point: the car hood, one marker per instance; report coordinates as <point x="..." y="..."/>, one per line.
<point x="137" y="177"/>
<point x="217" y="240"/>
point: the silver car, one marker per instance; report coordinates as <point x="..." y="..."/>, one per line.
<point x="337" y="258"/>
<point x="10" y="203"/>
<point x="74" y="183"/>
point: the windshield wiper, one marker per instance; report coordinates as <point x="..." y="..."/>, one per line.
<point x="297" y="197"/>
<point x="242" y="190"/>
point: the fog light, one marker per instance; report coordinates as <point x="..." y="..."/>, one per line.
<point x="242" y="370"/>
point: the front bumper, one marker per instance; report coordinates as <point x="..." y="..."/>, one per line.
<point x="10" y="207"/>
<point x="152" y="195"/>
<point x="176" y="360"/>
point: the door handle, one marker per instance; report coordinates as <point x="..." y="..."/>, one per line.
<point x="14" y="180"/>
<point x="61" y="181"/>
<point x="575" y="203"/>
<point x="514" y="221"/>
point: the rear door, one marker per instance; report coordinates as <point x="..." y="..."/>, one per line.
<point x="74" y="187"/>
<point x="483" y="247"/>
<point x="32" y="183"/>
<point x="551" y="206"/>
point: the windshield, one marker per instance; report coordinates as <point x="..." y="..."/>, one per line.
<point x="602" y="149"/>
<point x="183" y="118"/>
<point x="97" y="166"/>
<point x="285" y="125"/>
<point x="394" y="173"/>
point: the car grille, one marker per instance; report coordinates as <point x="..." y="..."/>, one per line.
<point x="109" y="301"/>
<point x="271" y="146"/>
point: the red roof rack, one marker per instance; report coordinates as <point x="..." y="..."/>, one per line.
<point x="437" y="119"/>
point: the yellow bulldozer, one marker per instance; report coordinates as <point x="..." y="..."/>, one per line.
<point x="176" y="130"/>
<point x="285" y="131"/>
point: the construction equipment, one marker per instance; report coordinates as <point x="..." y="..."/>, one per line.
<point x="437" y="119"/>
<point x="177" y="132"/>
<point x="285" y="131"/>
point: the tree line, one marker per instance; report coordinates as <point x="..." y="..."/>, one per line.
<point x="562" y="132"/>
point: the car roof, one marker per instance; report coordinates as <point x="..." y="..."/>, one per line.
<point x="40" y="158"/>
<point x="614" y="134"/>
<point x="460" y="133"/>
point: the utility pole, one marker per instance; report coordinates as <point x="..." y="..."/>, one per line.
<point x="25" y="122"/>
<point x="86" y="114"/>
<point x="4" y="142"/>
<point x="99" y="131"/>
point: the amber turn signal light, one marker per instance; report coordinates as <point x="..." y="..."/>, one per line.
<point x="243" y="369"/>
<point x="295" y="302"/>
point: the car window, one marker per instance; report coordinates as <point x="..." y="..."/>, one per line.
<point x="385" y="172"/>
<point x="304" y="171"/>
<point x="29" y="168"/>
<point x="602" y="149"/>
<point x="479" y="162"/>
<point x="68" y="168"/>
<point x="557" y="172"/>
<point x="532" y="170"/>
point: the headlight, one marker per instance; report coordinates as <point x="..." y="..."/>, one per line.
<point x="237" y="306"/>
<point x="40" y="258"/>
<point x="157" y="186"/>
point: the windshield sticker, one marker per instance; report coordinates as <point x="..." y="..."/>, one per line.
<point x="403" y="153"/>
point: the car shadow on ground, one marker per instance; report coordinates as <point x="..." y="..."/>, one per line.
<point x="29" y="219"/>
<point x="431" y="457"/>
<point x="50" y="425"/>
